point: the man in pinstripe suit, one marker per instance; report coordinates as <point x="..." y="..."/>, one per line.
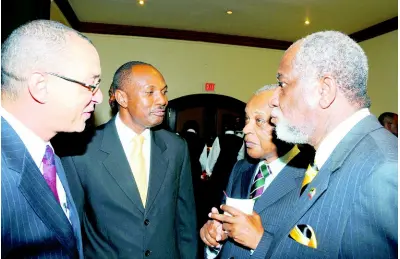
<point x="49" y="84"/>
<point x="248" y="234"/>
<point x="348" y="208"/>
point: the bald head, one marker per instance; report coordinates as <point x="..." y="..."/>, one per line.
<point x="39" y="45"/>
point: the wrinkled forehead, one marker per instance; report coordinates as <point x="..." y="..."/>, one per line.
<point x="286" y="64"/>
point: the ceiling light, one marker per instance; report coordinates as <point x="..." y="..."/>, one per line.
<point x="307" y="22"/>
<point x="141" y="2"/>
<point x="229" y="12"/>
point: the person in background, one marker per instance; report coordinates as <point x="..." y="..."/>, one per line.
<point x="50" y="77"/>
<point x="226" y="150"/>
<point x="133" y="186"/>
<point x="271" y="181"/>
<point x="348" y="200"/>
<point x="389" y="120"/>
<point x="197" y="149"/>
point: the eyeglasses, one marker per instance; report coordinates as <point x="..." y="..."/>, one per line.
<point x="92" y="88"/>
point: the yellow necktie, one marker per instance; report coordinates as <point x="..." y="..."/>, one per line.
<point x="138" y="167"/>
<point x="310" y="174"/>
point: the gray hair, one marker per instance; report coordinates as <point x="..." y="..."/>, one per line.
<point x="266" y="88"/>
<point x="36" y="45"/>
<point x="337" y="54"/>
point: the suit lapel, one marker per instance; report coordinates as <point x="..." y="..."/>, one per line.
<point x="117" y="165"/>
<point x="288" y="179"/>
<point x="158" y="168"/>
<point x="35" y="189"/>
<point x="247" y="178"/>
<point x="321" y="181"/>
<point x="71" y="206"/>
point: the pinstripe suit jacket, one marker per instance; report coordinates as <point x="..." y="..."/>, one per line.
<point x="354" y="210"/>
<point x="33" y="224"/>
<point x="272" y="206"/>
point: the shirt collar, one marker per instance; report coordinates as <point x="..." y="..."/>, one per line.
<point x="330" y="142"/>
<point x="191" y="130"/>
<point x="229" y="132"/>
<point x="278" y="164"/>
<point x="126" y="134"/>
<point x="33" y="143"/>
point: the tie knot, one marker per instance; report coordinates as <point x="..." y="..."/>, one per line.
<point x="265" y="170"/>
<point x="138" y="141"/>
<point x="48" y="157"/>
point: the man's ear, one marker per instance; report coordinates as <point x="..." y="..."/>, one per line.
<point x="121" y="98"/>
<point x="37" y="86"/>
<point x="327" y="91"/>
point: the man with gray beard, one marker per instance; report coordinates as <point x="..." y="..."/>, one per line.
<point x="347" y="206"/>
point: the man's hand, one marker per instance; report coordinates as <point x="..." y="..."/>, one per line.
<point x="242" y="228"/>
<point x="211" y="233"/>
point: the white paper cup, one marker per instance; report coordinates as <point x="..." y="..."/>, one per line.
<point x="244" y="205"/>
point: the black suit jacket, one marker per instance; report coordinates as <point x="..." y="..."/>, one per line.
<point x="115" y="223"/>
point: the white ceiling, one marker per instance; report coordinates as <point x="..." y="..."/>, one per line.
<point x="271" y="19"/>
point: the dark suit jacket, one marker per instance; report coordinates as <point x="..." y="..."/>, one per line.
<point x="115" y="223"/>
<point x="33" y="224"/>
<point x="354" y="209"/>
<point x="274" y="204"/>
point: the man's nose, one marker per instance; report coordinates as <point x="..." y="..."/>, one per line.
<point x="97" y="97"/>
<point x="274" y="101"/>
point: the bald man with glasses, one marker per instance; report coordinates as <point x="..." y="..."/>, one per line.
<point x="40" y="99"/>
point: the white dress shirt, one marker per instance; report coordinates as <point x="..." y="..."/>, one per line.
<point x="36" y="148"/>
<point x="126" y="136"/>
<point x="216" y="149"/>
<point x="330" y="142"/>
<point x="275" y="167"/>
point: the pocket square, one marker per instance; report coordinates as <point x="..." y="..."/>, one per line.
<point x="305" y="235"/>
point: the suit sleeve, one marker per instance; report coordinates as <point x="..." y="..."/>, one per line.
<point x="75" y="184"/>
<point x="186" y="211"/>
<point x="371" y="230"/>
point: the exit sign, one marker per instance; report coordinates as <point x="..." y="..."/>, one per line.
<point x="209" y="87"/>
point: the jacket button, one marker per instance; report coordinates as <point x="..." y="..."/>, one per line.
<point x="147" y="253"/>
<point x="147" y="222"/>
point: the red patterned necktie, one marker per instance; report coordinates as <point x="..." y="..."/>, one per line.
<point x="49" y="171"/>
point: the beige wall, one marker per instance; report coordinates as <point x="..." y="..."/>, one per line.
<point x="383" y="72"/>
<point x="236" y="71"/>
<point x="57" y="15"/>
<point x="186" y="66"/>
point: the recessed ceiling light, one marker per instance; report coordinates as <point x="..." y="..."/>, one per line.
<point x="229" y="12"/>
<point x="141" y="2"/>
<point x="307" y="22"/>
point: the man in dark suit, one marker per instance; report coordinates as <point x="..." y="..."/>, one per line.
<point x="135" y="199"/>
<point x="347" y="206"/>
<point x="40" y="97"/>
<point x="249" y="234"/>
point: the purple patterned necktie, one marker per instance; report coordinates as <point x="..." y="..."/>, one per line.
<point x="49" y="171"/>
<point x="257" y="188"/>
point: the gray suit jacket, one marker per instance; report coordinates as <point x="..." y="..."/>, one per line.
<point x="354" y="209"/>
<point x="274" y="204"/>
<point x="33" y="224"/>
<point x="115" y="223"/>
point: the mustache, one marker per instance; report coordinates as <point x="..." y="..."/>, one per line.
<point x="158" y="109"/>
